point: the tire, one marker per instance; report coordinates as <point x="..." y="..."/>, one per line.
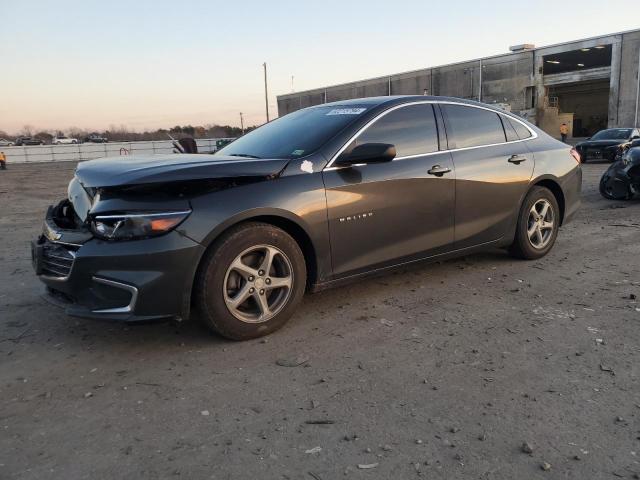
<point x="609" y="193"/>
<point x="220" y="281"/>
<point x="523" y="245"/>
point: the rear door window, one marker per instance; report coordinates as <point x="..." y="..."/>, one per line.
<point x="472" y="127"/>
<point x="412" y="129"/>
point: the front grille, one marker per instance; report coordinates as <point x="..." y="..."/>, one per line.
<point x="57" y="260"/>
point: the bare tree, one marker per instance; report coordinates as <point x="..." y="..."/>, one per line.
<point x="27" y="130"/>
<point x="46" y="137"/>
<point x="122" y="133"/>
<point x="79" y="133"/>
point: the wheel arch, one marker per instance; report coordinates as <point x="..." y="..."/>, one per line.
<point x="555" y="188"/>
<point x="284" y="220"/>
<point x="302" y="238"/>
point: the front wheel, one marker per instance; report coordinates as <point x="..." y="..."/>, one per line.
<point x="250" y="281"/>
<point x="538" y="224"/>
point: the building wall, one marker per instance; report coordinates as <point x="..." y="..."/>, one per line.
<point x="514" y="80"/>
<point x="628" y="87"/>
<point x="505" y="79"/>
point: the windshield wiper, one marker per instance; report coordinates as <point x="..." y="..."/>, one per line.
<point x="245" y="155"/>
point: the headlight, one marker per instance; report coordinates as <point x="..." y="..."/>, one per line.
<point x="129" y="226"/>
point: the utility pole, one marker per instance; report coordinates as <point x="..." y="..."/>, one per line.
<point x="292" y="90"/>
<point x="480" y="82"/>
<point x="241" y="123"/>
<point x="266" y="92"/>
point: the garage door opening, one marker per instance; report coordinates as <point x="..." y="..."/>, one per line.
<point x="577" y="89"/>
<point x="587" y="101"/>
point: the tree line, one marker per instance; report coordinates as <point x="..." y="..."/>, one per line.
<point x="123" y="134"/>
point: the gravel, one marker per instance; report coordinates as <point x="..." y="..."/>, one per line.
<point x="493" y="359"/>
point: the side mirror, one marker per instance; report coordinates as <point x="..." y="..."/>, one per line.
<point x="635" y="137"/>
<point x="369" y="153"/>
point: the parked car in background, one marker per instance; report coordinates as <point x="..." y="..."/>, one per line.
<point x="605" y="144"/>
<point x="62" y="140"/>
<point x="314" y="199"/>
<point x="5" y="143"/>
<point x="223" y="142"/>
<point x="95" y="138"/>
<point x="622" y="149"/>
<point x="22" y="141"/>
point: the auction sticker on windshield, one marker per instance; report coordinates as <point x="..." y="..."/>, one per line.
<point x="346" y="111"/>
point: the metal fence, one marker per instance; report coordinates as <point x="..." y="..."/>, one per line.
<point x="87" y="151"/>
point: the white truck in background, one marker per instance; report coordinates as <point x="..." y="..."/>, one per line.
<point x="62" y="140"/>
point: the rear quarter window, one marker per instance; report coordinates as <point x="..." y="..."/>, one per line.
<point x="509" y="129"/>
<point x="522" y="131"/>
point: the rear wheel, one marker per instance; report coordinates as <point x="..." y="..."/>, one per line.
<point x="251" y="281"/>
<point x="538" y="225"/>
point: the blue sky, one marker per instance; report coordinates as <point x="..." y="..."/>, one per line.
<point x="148" y="64"/>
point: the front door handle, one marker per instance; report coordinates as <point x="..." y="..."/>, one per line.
<point x="438" y="171"/>
<point x="517" y="159"/>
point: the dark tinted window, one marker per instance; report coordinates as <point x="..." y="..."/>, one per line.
<point x="522" y="131"/>
<point x="471" y="127"/>
<point x="295" y="135"/>
<point x="411" y="129"/>
<point x="613" y="134"/>
<point x="509" y="129"/>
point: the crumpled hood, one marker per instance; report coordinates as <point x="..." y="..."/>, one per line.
<point x="601" y="143"/>
<point x="145" y="169"/>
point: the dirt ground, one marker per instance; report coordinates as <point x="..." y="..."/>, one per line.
<point x="438" y="371"/>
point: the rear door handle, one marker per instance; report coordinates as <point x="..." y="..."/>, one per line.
<point x="517" y="159"/>
<point x="438" y="171"/>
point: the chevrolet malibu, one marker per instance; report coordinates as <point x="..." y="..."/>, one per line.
<point x="319" y="197"/>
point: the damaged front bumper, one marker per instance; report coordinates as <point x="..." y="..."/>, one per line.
<point x="126" y="280"/>
<point x="622" y="179"/>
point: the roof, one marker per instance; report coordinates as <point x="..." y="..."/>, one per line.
<point x="399" y="99"/>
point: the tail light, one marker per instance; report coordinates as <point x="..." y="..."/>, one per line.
<point x="576" y="155"/>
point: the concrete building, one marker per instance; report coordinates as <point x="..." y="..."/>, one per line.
<point x="588" y="84"/>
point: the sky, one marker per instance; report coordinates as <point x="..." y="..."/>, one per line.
<point x="151" y="64"/>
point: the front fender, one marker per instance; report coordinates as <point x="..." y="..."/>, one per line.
<point x="248" y="215"/>
<point x="299" y="200"/>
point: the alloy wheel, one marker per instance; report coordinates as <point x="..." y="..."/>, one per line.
<point x="258" y="284"/>
<point x="540" y="224"/>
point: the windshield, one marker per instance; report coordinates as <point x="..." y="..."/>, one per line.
<point x="613" y="134"/>
<point x="295" y="135"/>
